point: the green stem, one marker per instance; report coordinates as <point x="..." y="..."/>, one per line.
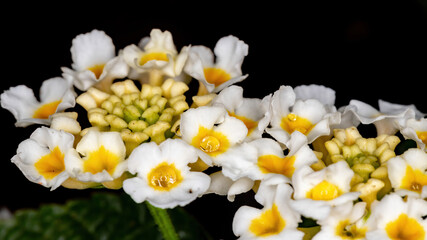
<point x="163" y="221"/>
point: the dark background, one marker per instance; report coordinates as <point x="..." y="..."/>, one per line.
<point x="365" y="50"/>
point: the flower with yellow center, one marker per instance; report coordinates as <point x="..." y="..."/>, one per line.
<point x="408" y="172"/>
<point x="289" y="114"/>
<point x="156" y="54"/>
<point x="396" y="218"/>
<point x="276" y="220"/>
<point x="345" y="222"/>
<point x="163" y="177"/>
<point x="416" y="130"/>
<point x="251" y="111"/>
<point x="211" y="131"/>
<point x="94" y="61"/>
<point x="98" y="157"/>
<point x="56" y="95"/>
<point x="225" y="70"/>
<point x="261" y="157"/>
<point x="41" y="157"/>
<point x="315" y="192"/>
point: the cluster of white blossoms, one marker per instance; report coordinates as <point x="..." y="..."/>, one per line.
<point x="303" y="157"/>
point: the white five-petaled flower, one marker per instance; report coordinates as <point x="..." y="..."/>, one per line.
<point x="94" y="60"/>
<point x="163" y="176"/>
<point x="315" y="192"/>
<point x="407" y="172"/>
<point x="251" y="111"/>
<point x="157" y="52"/>
<point x="98" y="157"/>
<point x="216" y="74"/>
<point x="56" y="95"/>
<point x="41" y="157"/>
<point x="264" y="156"/>
<point x="345" y="222"/>
<point x="211" y="131"/>
<point x="276" y="220"/>
<point x="289" y="114"/>
<point x="396" y="218"/>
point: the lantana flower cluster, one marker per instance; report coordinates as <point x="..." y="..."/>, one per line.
<point x="303" y="157"/>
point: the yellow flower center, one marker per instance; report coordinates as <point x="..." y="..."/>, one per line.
<point x="216" y="76"/>
<point x="293" y="122"/>
<point x="158" y="56"/>
<point x="345" y="230"/>
<point x="414" y="180"/>
<point x="210" y="142"/>
<point x="249" y="123"/>
<point x="324" y="191"/>
<point x="269" y="223"/>
<point x="100" y="160"/>
<point x="405" y="228"/>
<point x="46" y="110"/>
<point x="422" y="136"/>
<point x="50" y="165"/>
<point x="97" y="69"/>
<point x="275" y="164"/>
<point x="164" y="177"/>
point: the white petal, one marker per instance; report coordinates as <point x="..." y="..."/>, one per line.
<point x="230" y="52"/>
<point x="324" y="94"/>
<point x="91" y="49"/>
<point x="20" y="101"/>
<point x="242" y="185"/>
<point x="144" y="157"/>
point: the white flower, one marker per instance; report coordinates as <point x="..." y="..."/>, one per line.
<point x="163" y="176"/>
<point x="386" y="121"/>
<point x="41" y="157"/>
<point x="216" y="74"/>
<point x="98" y="157"/>
<point x="290" y="114"/>
<point x="211" y="131"/>
<point x="407" y="172"/>
<point x="316" y="191"/>
<point x="261" y="157"/>
<point x="94" y="60"/>
<point x="276" y="220"/>
<point x="344" y="222"/>
<point x="416" y="130"/>
<point x="251" y="111"/>
<point x="156" y="52"/>
<point x="395" y="218"/>
<point x="56" y="95"/>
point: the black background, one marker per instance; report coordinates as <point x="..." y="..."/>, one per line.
<point x="365" y="50"/>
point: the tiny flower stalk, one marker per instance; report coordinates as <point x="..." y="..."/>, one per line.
<point x="139" y="115"/>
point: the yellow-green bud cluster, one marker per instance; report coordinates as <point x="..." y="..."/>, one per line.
<point x="140" y="115"/>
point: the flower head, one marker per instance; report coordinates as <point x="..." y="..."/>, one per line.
<point x="216" y="74"/>
<point x="289" y="114"/>
<point x="395" y="218"/>
<point x="55" y="95"/>
<point x="163" y="176"/>
<point x="94" y="61"/>
<point x="98" y="157"/>
<point x="211" y="131"/>
<point x="41" y="157"/>
<point x="157" y="52"/>
<point x="407" y="172"/>
<point x="276" y="220"/>
<point x="345" y="221"/>
<point x="316" y="191"/>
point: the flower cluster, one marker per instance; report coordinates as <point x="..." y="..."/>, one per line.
<point x="304" y="158"/>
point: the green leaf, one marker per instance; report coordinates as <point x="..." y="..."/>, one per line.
<point x="103" y="216"/>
